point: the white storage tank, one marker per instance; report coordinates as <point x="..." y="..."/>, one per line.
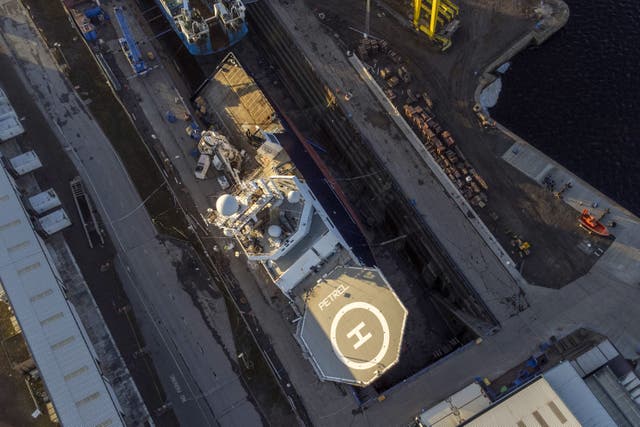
<point x="43" y="202"/>
<point x="53" y="222"/>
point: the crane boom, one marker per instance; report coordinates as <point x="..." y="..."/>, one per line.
<point x="129" y="45"/>
<point x="434" y="16"/>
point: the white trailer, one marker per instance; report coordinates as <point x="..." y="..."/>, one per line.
<point x="53" y="222"/>
<point x="25" y="163"/>
<point x="43" y="202"/>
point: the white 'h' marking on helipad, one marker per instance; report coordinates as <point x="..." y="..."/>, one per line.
<point x="361" y="338"/>
<point x="386" y="337"/>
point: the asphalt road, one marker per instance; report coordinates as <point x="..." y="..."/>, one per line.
<point x="194" y="368"/>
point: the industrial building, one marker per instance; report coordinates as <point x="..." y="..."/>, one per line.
<point x="537" y="404"/>
<point x="597" y="388"/>
<point x="57" y="341"/>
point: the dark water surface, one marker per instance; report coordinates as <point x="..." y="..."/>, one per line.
<point x="576" y="97"/>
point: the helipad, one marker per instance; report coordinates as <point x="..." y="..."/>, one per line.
<point x="353" y="325"/>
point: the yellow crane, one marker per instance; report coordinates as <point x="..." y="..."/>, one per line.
<point x="437" y="13"/>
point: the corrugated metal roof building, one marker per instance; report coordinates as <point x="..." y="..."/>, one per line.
<point x="575" y="393"/>
<point x="56" y="339"/>
<point x="535" y="405"/>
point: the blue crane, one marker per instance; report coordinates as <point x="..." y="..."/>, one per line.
<point x="129" y="45"/>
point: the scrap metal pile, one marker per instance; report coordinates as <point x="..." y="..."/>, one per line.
<point x="391" y="72"/>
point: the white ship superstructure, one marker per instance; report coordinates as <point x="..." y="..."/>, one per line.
<point x="351" y="322"/>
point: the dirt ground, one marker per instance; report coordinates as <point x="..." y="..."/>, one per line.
<point x="16" y="405"/>
<point x="516" y="203"/>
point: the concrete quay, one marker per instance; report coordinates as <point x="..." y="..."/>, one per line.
<point x="504" y="292"/>
<point x="556" y="18"/>
<point x="621" y="261"/>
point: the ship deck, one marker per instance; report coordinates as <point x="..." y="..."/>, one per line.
<point x="176" y="6"/>
<point x="202" y="7"/>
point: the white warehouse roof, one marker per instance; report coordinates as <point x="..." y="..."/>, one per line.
<point x="55" y="337"/>
<point x="536" y="404"/>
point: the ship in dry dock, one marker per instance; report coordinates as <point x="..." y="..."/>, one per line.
<point x="206" y="26"/>
<point x="294" y="234"/>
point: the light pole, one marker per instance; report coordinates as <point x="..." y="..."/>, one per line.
<point x="366" y="19"/>
<point x="58" y="46"/>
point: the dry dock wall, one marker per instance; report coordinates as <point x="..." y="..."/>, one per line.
<point x="376" y="196"/>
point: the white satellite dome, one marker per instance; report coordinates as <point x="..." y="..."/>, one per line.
<point x="274" y="231"/>
<point x="227" y="205"/>
<point x="293" y="196"/>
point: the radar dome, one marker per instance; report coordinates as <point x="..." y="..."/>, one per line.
<point x="227" y="205"/>
<point x="293" y="196"/>
<point x="274" y="231"/>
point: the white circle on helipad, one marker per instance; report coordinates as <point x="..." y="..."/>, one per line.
<point x="360" y="365"/>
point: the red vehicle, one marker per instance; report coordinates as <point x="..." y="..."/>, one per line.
<point x="591" y="224"/>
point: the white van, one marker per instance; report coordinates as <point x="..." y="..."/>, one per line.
<point x="203" y="166"/>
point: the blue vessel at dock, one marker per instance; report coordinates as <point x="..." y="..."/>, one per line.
<point x="206" y="26"/>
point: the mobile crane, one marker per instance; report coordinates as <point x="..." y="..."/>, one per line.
<point x="129" y="45"/>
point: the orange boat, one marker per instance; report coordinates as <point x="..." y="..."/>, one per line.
<point x="591" y="224"/>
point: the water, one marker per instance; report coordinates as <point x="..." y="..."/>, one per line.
<point x="576" y="97"/>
